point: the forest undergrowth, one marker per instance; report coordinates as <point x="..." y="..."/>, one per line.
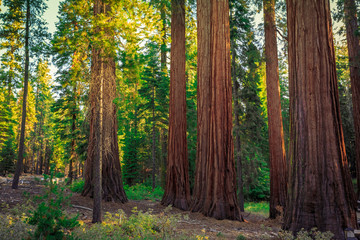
<point x="45" y="209"/>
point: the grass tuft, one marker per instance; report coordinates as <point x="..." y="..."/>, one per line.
<point x="261" y="208"/>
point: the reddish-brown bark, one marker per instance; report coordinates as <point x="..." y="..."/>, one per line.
<point x="215" y="177"/>
<point x="278" y="168"/>
<point x="177" y="190"/>
<point x="320" y="192"/>
<point x="103" y="123"/>
<point x="354" y="62"/>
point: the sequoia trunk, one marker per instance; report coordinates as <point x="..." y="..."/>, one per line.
<point x="320" y="192"/>
<point x="354" y="62"/>
<point x="103" y="125"/>
<point x="278" y="166"/>
<point x="215" y="177"/>
<point x="177" y="190"/>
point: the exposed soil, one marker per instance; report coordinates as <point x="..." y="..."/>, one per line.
<point x="255" y="226"/>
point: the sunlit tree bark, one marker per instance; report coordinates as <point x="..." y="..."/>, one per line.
<point x="215" y="178"/>
<point x="278" y="169"/>
<point x="177" y="190"/>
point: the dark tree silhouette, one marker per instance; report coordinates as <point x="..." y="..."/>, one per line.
<point x="19" y="164"/>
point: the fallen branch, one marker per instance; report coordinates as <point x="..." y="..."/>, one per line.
<point x="86" y="208"/>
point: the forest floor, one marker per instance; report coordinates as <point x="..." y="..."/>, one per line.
<point x="255" y="226"/>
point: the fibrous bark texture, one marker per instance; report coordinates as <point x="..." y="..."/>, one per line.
<point x="320" y="192"/>
<point x="278" y="168"/>
<point x="103" y="123"/>
<point x="215" y="178"/>
<point x="354" y="62"/>
<point x="177" y="191"/>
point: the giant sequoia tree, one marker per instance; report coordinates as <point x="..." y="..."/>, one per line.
<point x="320" y="192"/>
<point x="354" y="62"/>
<point x="215" y="177"/>
<point x="278" y="170"/>
<point x="103" y="143"/>
<point x="177" y="190"/>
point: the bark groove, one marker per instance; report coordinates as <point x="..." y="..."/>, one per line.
<point x="278" y="166"/>
<point x="320" y="192"/>
<point x="103" y="72"/>
<point x="177" y="190"/>
<point x="215" y="177"/>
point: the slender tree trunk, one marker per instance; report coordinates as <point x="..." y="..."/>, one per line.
<point x="153" y="141"/>
<point x="46" y="158"/>
<point x="19" y="164"/>
<point x="354" y="62"/>
<point x="164" y="71"/>
<point x="163" y="157"/>
<point x="73" y="144"/>
<point x="98" y="9"/>
<point x="177" y="190"/>
<point x="32" y="163"/>
<point x="239" y="164"/>
<point x="236" y="131"/>
<point x="278" y="166"/>
<point x="320" y="194"/>
<point x="240" y="184"/>
<point x="10" y="81"/>
<point x="37" y="163"/>
<point x="41" y="158"/>
<point x="163" y="38"/>
<point x="136" y="169"/>
<point x="215" y="177"/>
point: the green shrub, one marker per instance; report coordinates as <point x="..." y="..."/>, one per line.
<point x="240" y="237"/>
<point x="77" y="186"/>
<point x="306" y="235"/>
<point x="49" y="217"/>
<point x="14" y="227"/>
<point x="139" y="225"/>
<point x="141" y="192"/>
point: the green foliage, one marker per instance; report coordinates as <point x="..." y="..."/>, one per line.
<point x="261" y="208"/>
<point x="253" y="130"/>
<point x="131" y="161"/>
<point x="11" y="43"/>
<point x="143" y="85"/>
<point x="7" y="157"/>
<point x="306" y="235"/>
<point x="345" y="99"/>
<point x="7" y="134"/>
<point x="14" y="221"/>
<point x="137" y="226"/>
<point x="49" y="218"/>
<point x="70" y="45"/>
<point x="14" y="227"/>
<point x="141" y="191"/>
<point x="240" y="237"/>
<point x="77" y="186"/>
<point x="249" y="88"/>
